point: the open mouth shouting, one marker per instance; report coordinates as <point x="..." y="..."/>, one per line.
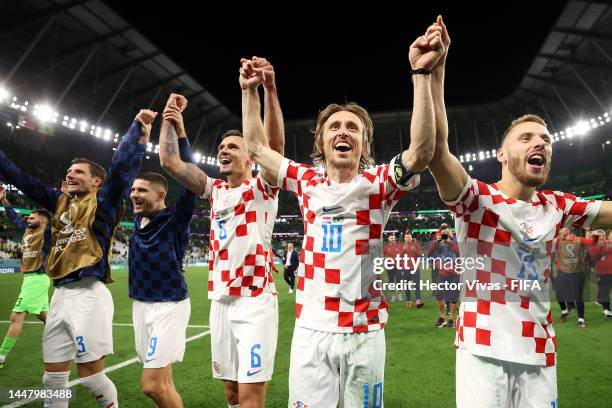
<point x="342" y="147"/>
<point x="536" y="161"/>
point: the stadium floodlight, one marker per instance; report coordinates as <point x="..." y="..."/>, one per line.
<point x="197" y="156"/>
<point x="4" y="94"/>
<point x="470" y="167"/>
<point x="607" y="142"/>
<point x="581" y="128"/>
<point x="43" y="112"/>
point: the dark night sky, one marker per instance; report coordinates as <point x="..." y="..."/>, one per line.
<point x="344" y="52"/>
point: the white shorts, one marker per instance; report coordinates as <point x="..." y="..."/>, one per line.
<point x="79" y="323"/>
<point x="160" y="331"/>
<point x="484" y="382"/>
<point x="331" y="369"/>
<point x="243" y="334"/>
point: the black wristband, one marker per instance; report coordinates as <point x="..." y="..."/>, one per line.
<point x="421" y="71"/>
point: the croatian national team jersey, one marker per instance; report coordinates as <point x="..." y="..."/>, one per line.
<point x="514" y="240"/>
<point x="241" y="223"/>
<point x="343" y="225"/>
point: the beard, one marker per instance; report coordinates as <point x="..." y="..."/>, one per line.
<point x="516" y="167"/>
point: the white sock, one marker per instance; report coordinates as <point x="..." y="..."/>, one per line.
<point x="102" y="388"/>
<point x="56" y="380"/>
<point x="233" y="406"/>
<point x="565" y="311"/>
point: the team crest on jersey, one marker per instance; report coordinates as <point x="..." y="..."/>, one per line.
<point x="527" y="229"/>
<point x="217" y="367"/>
<point x="300" y="404"/>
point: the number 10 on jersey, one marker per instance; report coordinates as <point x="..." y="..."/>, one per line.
<point x="332" y="237"/>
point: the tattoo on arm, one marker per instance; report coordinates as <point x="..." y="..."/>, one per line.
<point x="192" y="177"/>
<point x="171" y="144"/>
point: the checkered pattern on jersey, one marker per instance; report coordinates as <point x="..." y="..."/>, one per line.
<point x="157" y="249"/>
<point x="242" y="220"/>
<point x="335" y="285"/>
<point x="510" y="322"/>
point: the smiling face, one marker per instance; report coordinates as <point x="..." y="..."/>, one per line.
<point x="147" y="197"/>
<point x="343" y="136"/>
<point x="233" y="156"/>
<point x="392" y="239"/>
<point x="80" y="179"/>
<point x="343" y="140"/>
<point x="526" y="153"/>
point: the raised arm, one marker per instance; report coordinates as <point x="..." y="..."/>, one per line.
<point x="447" y="171"/>
<point x="274" y="125"/>
<point x="11" y="213"/>
<point x="424" y="53"/>
<point x="604" y="217"/>
<point x="125" y="163"/>
<point x="145" y="118"/>
<point x="44" y="194"/>
<point x="173" y="129"/>
<point x="254" y="133"/>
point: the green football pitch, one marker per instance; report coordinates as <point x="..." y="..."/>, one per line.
<point x="420" y="363"/>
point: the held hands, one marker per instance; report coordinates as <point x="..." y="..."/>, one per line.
<point x="173" y="112"/>
<point x="145" y="117"/>
<point x="253" y="73"/>
<point x="426" y="50"/>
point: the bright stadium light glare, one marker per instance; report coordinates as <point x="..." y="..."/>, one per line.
<point x="470" y="167"/>
<point x="43" y="112"/>
<point x="581" y="128"/>
<point x="197" y="156"/>
<point x="4" y="94"/>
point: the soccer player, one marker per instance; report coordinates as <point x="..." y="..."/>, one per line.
<point x="571" y="253"/>
<point x="412" y="250"/>
<point x="443" y="253"/>
<point x="600" y="252"/>
<point x="506" y="352"/>
<point x="244" y="307"/>
<point x="391" y="250"/>
<point x="34" y="295"/>
<point x="161" y="307"/>
<point x="79" y="322"/>
<point x="338" y="347"/>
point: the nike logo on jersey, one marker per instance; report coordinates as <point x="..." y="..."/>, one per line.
<point x="149" y="359"/>
<point x="330" y="209"/>
<point x="81" y="355"/>
<point x="252" y="373"/>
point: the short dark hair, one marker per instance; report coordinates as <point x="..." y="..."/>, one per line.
<point x="95" y="168"/>
<point x="231" y="132"/>
<point x="43" y="213"/>
<point x="154" y="178"/>
<point x="530" y="117"/>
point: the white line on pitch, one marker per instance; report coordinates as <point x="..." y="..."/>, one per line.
<point x="106" y="370"/>
<point x="190" y="326"/>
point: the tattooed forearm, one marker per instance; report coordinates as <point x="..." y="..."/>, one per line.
<point x="171" y="144"/>
<point x="191" y="176"/>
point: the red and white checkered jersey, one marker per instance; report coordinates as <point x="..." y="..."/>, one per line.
<point x="514" y="239"/>
<point x="343" y="225"/>
<point x="241" y="223"/>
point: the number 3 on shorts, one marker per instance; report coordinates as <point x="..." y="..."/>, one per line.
<point x="376" y="395"/>
<point x="80" y="344"/>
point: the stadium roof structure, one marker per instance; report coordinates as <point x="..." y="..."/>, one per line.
<point x="568" y="83"/>
<point x="88" y="62"/>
